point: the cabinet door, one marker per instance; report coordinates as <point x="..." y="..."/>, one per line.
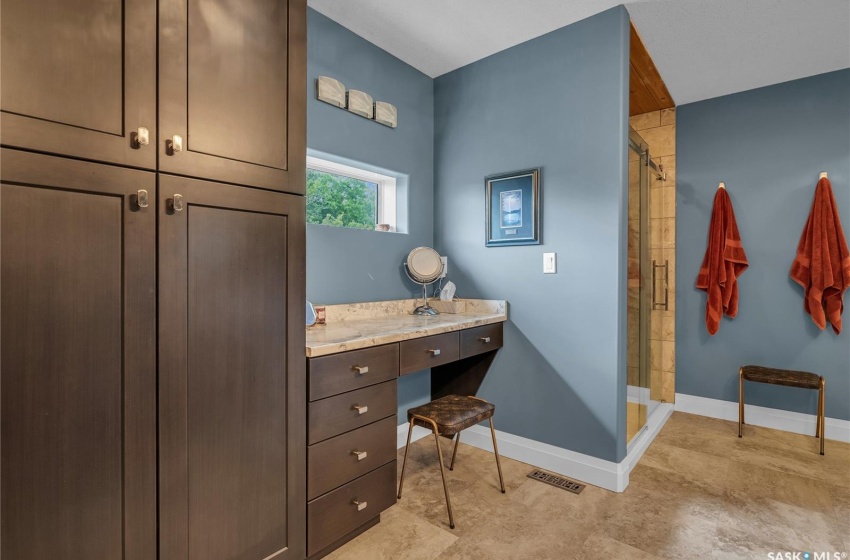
<point x="79" y="78"/>
<point x="78" y="383"/>
<point x="232" y="82"/>
<point x="232" y="372"/>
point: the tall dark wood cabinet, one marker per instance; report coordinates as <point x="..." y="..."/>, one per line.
<point x="78" y="383"/>
<point x="231" y="292"/>
<point x="79" y="78"/>
<point x="153" y="375"/>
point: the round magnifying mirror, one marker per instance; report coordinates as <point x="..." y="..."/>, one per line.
<point x="424" y="266"/>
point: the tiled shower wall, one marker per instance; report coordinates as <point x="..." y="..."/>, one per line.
<point x="658" y="129"/>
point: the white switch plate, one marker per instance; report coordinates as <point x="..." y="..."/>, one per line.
<point x="445" y="266"/>
<point x="549" y="263"/>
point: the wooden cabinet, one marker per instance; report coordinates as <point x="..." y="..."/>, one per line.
<point x="78" y="384"/>
<point x="79" y="78"/>
<point x="232" y="87"/>
<point x="231" y="372"/>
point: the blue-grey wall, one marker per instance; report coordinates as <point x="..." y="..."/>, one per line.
<point x="347" y="265"/>
<point x="768" y="145"/>
<point x="558" y="102"/>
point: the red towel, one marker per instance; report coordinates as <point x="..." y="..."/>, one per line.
<point x="723" y="263"/>
<point x="822" y="265"/>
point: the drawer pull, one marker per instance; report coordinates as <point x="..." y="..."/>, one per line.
<point x="361" y="369"/>
<point x="360" y="454"/>
<point x="360" y="505"/>
<point x="361" y="409"/>
<point x="435" y="352"/>
<point x="485" y="339"/>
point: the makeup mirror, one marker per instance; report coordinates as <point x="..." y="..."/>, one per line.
<point x="424" y="266"/>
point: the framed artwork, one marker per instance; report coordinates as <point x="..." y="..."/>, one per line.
<point x="513" y="208"/>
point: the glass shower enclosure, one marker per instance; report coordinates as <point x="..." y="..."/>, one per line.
<point x="640" y="286"/>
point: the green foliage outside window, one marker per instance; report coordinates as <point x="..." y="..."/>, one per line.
<point x="334" y="200"/>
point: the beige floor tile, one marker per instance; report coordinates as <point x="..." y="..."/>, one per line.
<point x="402" y="536"/>
<point x="698" y="492"/>
<point x="599" y="547"/>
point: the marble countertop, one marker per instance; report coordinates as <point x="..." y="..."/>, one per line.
<point x="361" y="325"/>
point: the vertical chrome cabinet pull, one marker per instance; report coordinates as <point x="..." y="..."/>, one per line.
<point x="360" y="505"/>
<point x="360" y="454"/>
<point x="141" y="137"/>
<point x="175" y="204"/>
<point x="174" y="144"/>
<point x="435" y="352"/>
<point x="361" y="369"/>
<point x="140" y="199"/>
<point x="361" y="409"/>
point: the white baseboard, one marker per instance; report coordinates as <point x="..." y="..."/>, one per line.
<point x="784" y="420"/>
<point x="401" y="434"/>
<point x="598" y="472"/>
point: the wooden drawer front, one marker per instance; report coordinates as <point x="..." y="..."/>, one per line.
<point x="426" y="352"/>
<point x="480" y="339"/>
<point x="336" y="415"/>
<point x="334" y="462"/>
<point x="335" y="514"/>
<point x="339" y="373"/>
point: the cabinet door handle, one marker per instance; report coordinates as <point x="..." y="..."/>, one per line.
<point x="485" y="339"/>
<point x="435" y="352"/>
<point x="175" y="204"/>
<point x="361" y="369"/>
<point x="174" y="144"/>
<point x="140" y="199"/>
<point x="140" y="137"/>
<point x="361" y="409"/>
<point x="360" y="505"/>
<point x="360" y="454"/>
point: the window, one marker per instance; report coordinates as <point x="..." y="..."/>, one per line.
<point x="344" y="196"/>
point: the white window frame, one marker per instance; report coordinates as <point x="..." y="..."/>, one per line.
<point x="386" y="213"/>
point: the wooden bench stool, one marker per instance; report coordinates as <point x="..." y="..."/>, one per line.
<point x="447" y="417"/>
<point x="788" y="378"/>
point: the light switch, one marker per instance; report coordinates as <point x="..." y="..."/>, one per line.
<point x="549" y="263"/>
<point x="445" y="266"/>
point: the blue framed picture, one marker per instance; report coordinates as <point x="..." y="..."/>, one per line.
<point x="513" y="208"/>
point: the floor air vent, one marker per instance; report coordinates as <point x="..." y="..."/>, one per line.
<point x="557" y="481"/>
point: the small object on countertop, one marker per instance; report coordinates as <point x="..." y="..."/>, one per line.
<point x="822" y="264"/>
<point x="456" y="306"/>
<point x="311" y="315"/>
<point x="723" y="263"/>
<point x="448" y="292"/>
<point x="320" y="315"/>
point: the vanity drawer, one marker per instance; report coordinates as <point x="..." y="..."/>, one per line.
<point x="430" y="351"/>
<point x="334" y="462"/>
<point x="335" y="415"/>
<point x="339" y="373"/>
<point x="478" y="340"/>
<point x="336" y="513"/>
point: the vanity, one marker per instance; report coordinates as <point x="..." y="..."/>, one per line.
<point x="353" y="365"/>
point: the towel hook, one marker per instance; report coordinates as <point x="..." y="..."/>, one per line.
<point x="822" y="175"/>
<point x="722" y="185"/>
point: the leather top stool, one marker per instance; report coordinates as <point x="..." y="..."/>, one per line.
<point x="787" y="378"/>
<point x="447" y="417"/>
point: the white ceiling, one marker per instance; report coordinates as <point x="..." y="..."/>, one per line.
<point x="703" y="48"/>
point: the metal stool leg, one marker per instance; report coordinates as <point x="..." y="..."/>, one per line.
<point x="436" y="431"/>
<point x="404" y="463"/>
<point x="496" y="451"/>
<point x="822" y="413"/>
<point x="741" y="402"/>
<point x="454" y="453"/>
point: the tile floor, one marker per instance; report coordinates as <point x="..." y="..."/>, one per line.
<point x="698" y="492"/>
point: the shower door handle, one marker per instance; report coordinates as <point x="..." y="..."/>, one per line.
<point x="664" y="305"/>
